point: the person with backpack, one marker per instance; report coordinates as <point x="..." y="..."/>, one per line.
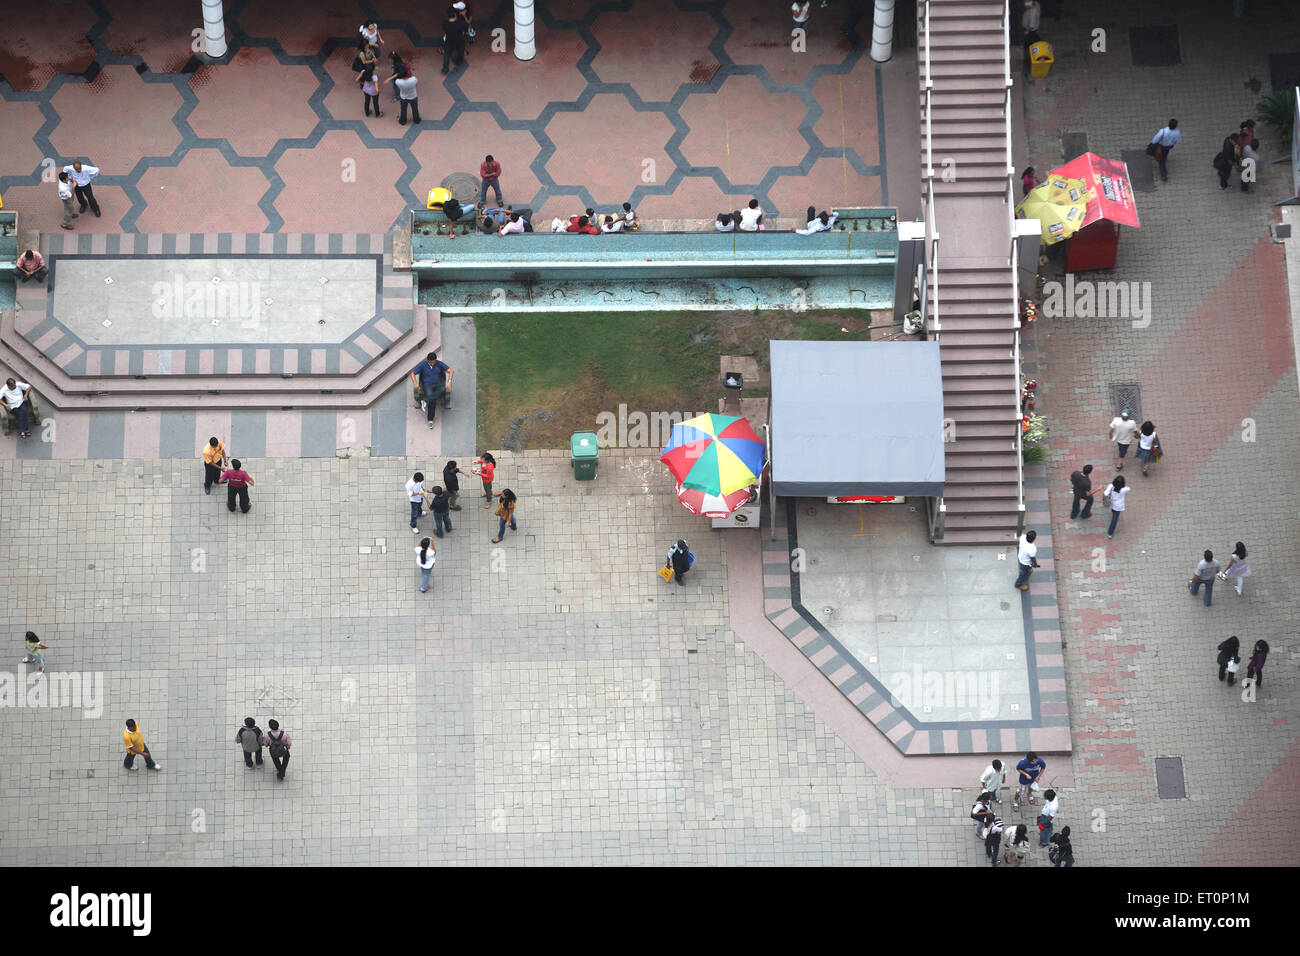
<point x="278" y="742"/>
<point x="249" y="737"/>
<point x="982" y="812"/>
<point x="1229" y="659"/>
<point x="1061" y="853"/>
<point x="679" y="559"/>
<point x="1017" y="843"/>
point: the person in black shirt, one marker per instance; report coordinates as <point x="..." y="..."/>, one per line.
<point x="452" y="484"/>
<point x="1059" y="851"/>
<point x="1082" y="492"/>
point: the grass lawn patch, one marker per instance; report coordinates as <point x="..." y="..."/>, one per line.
<point x="544" y="376"/>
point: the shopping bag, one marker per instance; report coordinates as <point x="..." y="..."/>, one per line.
<point x="666" y="574"/>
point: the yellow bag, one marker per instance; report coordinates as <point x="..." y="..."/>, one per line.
<point x="666" y="574"/>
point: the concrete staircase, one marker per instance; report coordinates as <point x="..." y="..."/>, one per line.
<point x="975" y="304"/>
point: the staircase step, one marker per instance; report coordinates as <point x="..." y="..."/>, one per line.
<point x="990" y="11"/>
<point x="957" y="489"/>
<point x="966" y="99"/>
<point x="1001" y="322"/>
<point x="972" y="187"/>
<point x="977" y="536"/>
<point x="995" y="454"/>
<point x="958" y="338"/>
<point x="989" y="511"/>
<point x="989" y="477"/>
<point x="1003" y="370"/>
<point x="984" y="72"/>
<point x="981" y="357"/>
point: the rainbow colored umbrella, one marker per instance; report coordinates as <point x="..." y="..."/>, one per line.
<point x="713" y="458"/>
<point x="712" y="506"/>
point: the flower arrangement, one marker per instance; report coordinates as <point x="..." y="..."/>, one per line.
<point x="1027" y="396"/>
<point x="1028" y="311"/>
<point x="912" y="322"/>
<point x="1033" y="429"/>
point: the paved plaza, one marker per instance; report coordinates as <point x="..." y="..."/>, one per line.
<point x="550" y="700"/>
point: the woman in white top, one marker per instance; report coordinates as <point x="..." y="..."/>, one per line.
<point x="425" y="558"/>
<point x="1116" y="491"/>
<point x="370" y="30"/>
<point x="1237" y="567"/>
<point x="1148" y="442"/>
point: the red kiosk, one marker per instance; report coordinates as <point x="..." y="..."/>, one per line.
<point x="1110" y="205"/>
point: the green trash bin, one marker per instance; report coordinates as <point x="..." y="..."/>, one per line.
<point x="585" y="452"/>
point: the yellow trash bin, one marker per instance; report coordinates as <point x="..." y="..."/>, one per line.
<point x="1040" y="59"/>
<point x="437" y="196"/>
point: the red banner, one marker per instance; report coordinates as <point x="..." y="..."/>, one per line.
<point x="1110" y="194"/>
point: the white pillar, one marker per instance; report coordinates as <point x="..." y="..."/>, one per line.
<point x="214" y="29"/>
<point x="525" y="47"/>
<point x="882" y="31"/>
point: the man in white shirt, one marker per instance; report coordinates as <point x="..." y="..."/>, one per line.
<point x="751" y="217"/>
<point x="1027" y="558"/>
<point x="993" y="779"/>
<point x="1051" y="806"/>
<point x="818" y="223"/>
<point x="407" y="95"/>
<point x="65" y="194"/>
<point x="799" y="13"/>
<point x="611" y="225"/>
<point x="1122" y="430"/>
<point x="515" y="224"/>
<point x="415" y="492"/>
<point x="628" y="218"/>
<point x="81" y="177"/>
<point x="14" y="397"/>
<point x="1164" y="141"/>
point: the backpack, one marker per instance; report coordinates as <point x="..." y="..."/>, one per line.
<point x="1055" y="852"/>
<point x="452" y="210"/>
<point x="278" y="749"/>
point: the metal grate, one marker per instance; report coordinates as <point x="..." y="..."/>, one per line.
<point x="1169" y="778"/>
<point x="1130" y="397"/>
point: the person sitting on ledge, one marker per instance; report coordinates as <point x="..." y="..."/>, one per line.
<point x="516" y="224"/>
<point x="30" y="265"/>
<point x="628" y="218"/>
<point x="612" y="225"/>
<point x="726" y="221"/>
<point x="499" y="215"/>
<point x="818" y="222"/>
<point x="583" y="225"/>
<point x="751" y="218"/>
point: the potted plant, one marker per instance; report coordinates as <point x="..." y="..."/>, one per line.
<point x="1278" y="111"/>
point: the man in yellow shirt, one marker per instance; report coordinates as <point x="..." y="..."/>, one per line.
<point x="214" y="456"/>
<point x="133" y="737"/>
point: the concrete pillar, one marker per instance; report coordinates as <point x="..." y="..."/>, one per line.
<point x="525" y="46"/>
<point x="214" y="29"/>
<point x="1029" y="239"/>
<point x="911" y="257"/>
<point x="882" y="31"/>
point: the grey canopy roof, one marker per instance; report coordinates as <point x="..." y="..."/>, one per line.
<point x="856" y="418"/>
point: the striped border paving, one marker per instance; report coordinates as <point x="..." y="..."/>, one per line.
<point x="1046" y="730"/>
<point x="392" y="319"/>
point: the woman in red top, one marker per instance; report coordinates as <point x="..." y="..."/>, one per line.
<point x="487" y="470"/>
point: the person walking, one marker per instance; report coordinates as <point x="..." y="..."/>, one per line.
<point x="1061" y="853"/>
<point x="486" y="466"/>
<point x="70" y="213"/>
<point x="992" y="834"/>
<point x="82" y="176"/>
<point x="1237" y="568"/>
<point x="1226" y="159"/>
<point x="277" y="742"/>
<point x="506" y="513"/>
<point x="1164" y="140"/>
<point x="430" y="380"/>
<point x="369" y="84"/>
<point x="1229" y="659"/>
<point x="1255" y="669"/>
<point x="214" y="459"/>
<point x="426" y="556"/>
<point x="1122" y="431"/>
<point x="1027" y="558"/>
<point x="1030" y="769"/>
<point x="133" y="737"/>
<point x="416" y="496"/>
<point x="452" y="483"/>
<point x="1117" y="491"/>
<point x="16" y="397"/>
<point x="993" y="779"/>
<point x="489" y="172"/>
<point x="1083" y="493"/>
<point x="408" y="95"/>
<point x="679" y="559"/>
<point x="1148" y="445"/>
<point x="1047" y="819"/>
<point x="982" y="812"/>
<point x="1017" y="844"/>
<point x="438" y="504"/>
<point x="237" y="482"/>
<point x="249" y="738"/>
<point x="1206" y="569"/>
<point x="34" y="646"/>
<point x="453" y="38"/>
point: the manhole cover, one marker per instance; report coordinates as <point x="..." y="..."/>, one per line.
<point x="464" y="186"/>
<point x="1155" y="46"/>
<point x="1169" y="778"/>
<point x="1130" y="397"/>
